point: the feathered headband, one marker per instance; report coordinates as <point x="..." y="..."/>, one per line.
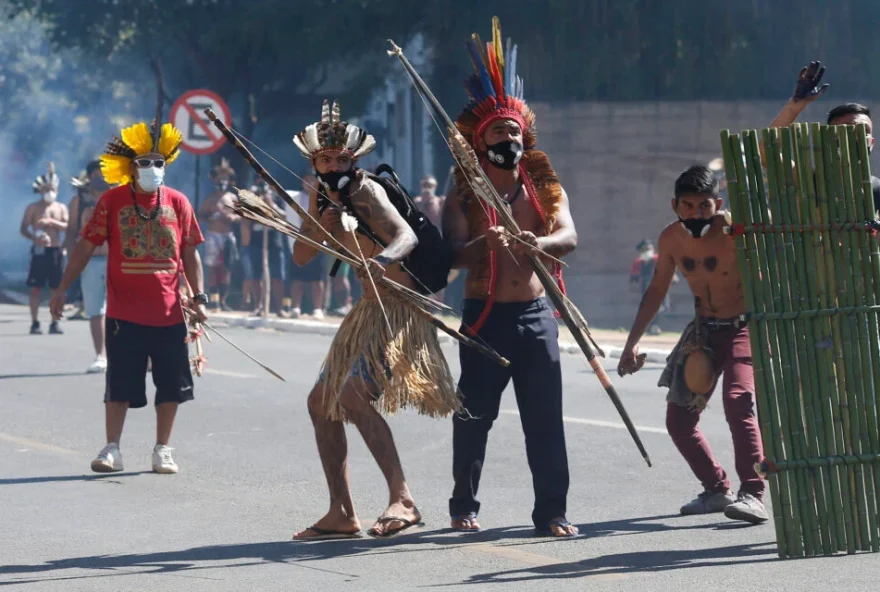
<point x="331" y="133"/>
<point x="495" y="90"/>
<point x="224" y="169"/>
<point x="136" y="141"/>
<point x="47" y="182"/>
<point x="81" y="181"/>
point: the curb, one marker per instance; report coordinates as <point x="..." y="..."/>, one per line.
<point x="657" y="356"/>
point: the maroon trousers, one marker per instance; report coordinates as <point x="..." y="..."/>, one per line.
<point x="733" y="359"/>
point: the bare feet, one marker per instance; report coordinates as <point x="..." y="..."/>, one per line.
<point x="396" y="517"/>
<point x="559" y="528"/>
<point x="465" y="522"/>
<point x="333" y="525"/>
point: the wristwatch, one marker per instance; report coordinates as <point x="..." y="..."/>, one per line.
<point x="201" y="298"/>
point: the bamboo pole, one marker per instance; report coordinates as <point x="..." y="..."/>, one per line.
<point x="845" y="287"/>
<point x="802" y="380"/>
<point x="868" y="332"/>
<point x="871" y="261"/>
<point x="829" y="184"/>
<point x="768" y="333"/>
<point x="755" y="300"/>
<point x="815" y="411"/>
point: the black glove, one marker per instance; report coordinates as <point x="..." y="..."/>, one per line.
<point x="807" y="87"/>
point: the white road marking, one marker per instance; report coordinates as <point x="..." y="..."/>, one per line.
<point x="227" y="373"/>
<point x="599" y="423"/>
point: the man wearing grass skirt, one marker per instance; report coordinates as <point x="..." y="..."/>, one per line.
<point x="383" y="358"/>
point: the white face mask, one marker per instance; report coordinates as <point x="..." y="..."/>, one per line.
<point x="50" y="196"/>
<point x="150" y="178"/>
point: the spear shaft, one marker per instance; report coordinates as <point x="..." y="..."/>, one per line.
<point x="483" y="188"/>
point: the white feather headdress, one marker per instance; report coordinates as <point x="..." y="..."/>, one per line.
<point x="331" y="133"/>
<point x="47" y="182"/>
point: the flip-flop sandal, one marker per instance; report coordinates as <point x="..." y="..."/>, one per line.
<point x="394" y="531"/>
<point x="548" y="531"/>
<point x="323" y="534"/>
<point x="470" y="517"/>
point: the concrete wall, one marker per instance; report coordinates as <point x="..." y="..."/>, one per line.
<point x="618" y="163"/>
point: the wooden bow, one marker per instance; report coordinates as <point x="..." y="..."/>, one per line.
<point x="467" y="160"/>
<point x="251" y="207"/>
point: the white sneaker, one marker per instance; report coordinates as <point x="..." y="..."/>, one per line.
<point x="318" y="314"/>
<point x="295" y="313"/>
<point x="99" y="365"/>
<point x="109" y="460"/>
<point x="162" y="460"/>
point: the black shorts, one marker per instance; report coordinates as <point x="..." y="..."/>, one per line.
<point x="313" y="271"/>
<point x="128" y="347"/>
<point x="46" y="267"/>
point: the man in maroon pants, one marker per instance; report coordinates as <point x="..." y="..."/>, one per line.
<point x="696" y="244"/>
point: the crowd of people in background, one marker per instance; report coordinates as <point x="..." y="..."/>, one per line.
<point x="233" y="257"/>
<point x="239" y="255"/>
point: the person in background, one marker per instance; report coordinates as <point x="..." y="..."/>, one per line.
<point x="221" y="250"/>
<point x="311" y="274"/>
<point x="93" y="280"/>
<point x="44" y="223"/>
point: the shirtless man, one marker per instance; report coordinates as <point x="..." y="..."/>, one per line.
<point x="44" y="223"/>
<point x="806" y="90"/>
<point x="355" y="382"/>
<point x="697" y="245"/>
<point x="505" y="305"/>
<point x="221" y="251"/>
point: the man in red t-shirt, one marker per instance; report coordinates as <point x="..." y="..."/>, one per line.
<point x="149" y="230"/>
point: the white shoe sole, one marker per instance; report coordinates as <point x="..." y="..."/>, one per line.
<point x="737" y="514"/>
<point x="100" y="466"/>
<point x="165" y="470"/>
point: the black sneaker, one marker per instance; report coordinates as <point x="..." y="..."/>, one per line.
<point x="54" y="329"/>
<point x="35" y="328"/>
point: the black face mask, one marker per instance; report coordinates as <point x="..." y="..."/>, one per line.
<point x="505" y="155"/>
<point x="696" y="227"/>
<point x="334" y="180"/>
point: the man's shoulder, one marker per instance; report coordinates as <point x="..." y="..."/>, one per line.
<point x="363" y="186"/>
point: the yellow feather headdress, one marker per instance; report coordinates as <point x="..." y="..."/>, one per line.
<point x="137" y="140"/>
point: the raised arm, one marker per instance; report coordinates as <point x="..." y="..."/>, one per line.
<point x="806" y="90"/>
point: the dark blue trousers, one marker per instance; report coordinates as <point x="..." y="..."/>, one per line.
<point x="526" y="333"/>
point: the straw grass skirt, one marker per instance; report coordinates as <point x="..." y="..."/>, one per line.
<point x="407" y="368"/>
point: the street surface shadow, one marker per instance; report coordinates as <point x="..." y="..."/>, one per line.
<point x="295" y="552"/>
<point x="634" y="562"/>
<point x="63" y="478"/>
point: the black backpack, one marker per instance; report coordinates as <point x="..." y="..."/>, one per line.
<point x="431" y="260"/>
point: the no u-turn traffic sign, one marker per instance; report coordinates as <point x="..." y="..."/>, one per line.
<point x="200" y="136"/>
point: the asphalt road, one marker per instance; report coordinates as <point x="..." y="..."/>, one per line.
<point x="250" y="476"/>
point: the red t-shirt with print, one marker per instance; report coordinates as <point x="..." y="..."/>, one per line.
<point x="143" y="265"/>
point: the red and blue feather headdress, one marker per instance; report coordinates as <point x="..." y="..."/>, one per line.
<point x="495" y="90"/>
